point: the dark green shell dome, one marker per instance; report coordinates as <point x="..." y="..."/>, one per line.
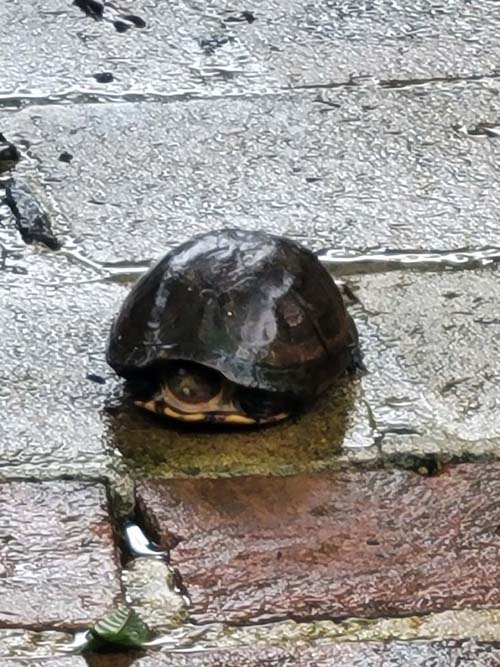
<point x="261" y="309"/>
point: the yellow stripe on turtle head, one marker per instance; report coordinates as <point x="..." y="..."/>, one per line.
<point x="147" y="405"/>
<point x="161" y="408"/>
<point x="237" y="419"/>
<point x="184" y="416"/>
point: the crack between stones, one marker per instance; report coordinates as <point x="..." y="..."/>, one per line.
<point x="397" y="84"/>
<point x="4" y="478"/>
<point x="343" y="619"/>
<point x="354" y="81"/>
<point x="76" y="97"/>
<point x="349" y="263"/>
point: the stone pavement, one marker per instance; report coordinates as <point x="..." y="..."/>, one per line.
<point x="331" y="545"/>
<point x="365" y="532"/>
<point x="60" y="566"/>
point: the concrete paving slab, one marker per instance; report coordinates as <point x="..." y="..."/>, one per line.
<point x="58" y="391"/>
<point x="59" y="563"/>
<point x="347" y="654"/>
<point x="380" y="168"/>
<point x="440" y="179"/>
<point x="368" y="544"/>
<point x="213" y="49"/>
<point x="17" y="644"/>
<point x="392" y="171"/>
<point x="432" y="344"/>
<point x="54" y="324"/>
<point x="430" y="389"/>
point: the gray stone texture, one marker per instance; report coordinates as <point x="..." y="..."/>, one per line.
<point x="59" y="565"/>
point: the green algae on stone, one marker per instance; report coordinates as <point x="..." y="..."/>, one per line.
<point x="311" y="441"/>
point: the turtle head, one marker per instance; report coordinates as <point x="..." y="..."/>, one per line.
<point x="195" y="393"/>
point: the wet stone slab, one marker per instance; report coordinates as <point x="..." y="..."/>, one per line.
<point x="432" y="347"/>
<point x="384" y="167"/>
<point x="371" y="544"/>
<point x="219" y="48"/>
<point x="60" y="417"/>
<point x="58" y="562"/>
<point x="366" y="654"/>
<point x="17" y="643"/>
<point x="351" y="169"/>
<point x="54" y="382"/>
<point x="430" y="388"/>
<point x="392" y="170"/>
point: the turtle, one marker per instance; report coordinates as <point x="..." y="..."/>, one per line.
<point x="233" y="327"/>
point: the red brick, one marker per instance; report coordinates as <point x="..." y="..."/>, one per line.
<point x="58" y="560"/>
<point x="371" y="543"/>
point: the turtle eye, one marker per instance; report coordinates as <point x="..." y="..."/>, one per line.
<point x="192" y="383"/>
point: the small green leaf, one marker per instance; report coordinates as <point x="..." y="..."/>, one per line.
<point x="121" y="627"/>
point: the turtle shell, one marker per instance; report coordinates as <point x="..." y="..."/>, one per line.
<point x="261" y="309"/>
